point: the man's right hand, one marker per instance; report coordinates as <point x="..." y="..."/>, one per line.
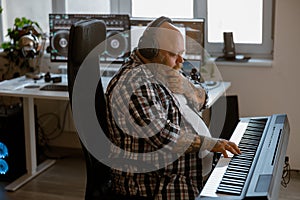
<point x="223" y="146"/>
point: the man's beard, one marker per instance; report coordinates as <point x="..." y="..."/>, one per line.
<point x="163" y="60"/>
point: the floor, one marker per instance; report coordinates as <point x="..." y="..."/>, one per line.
<point x="63" y="181"/>
<point x="66" y="181"/>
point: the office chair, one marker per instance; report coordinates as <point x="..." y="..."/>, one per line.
<point x="224" y="116"/>
<point x="84" y="36"/>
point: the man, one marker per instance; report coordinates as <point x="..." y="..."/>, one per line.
<point x="156" y="143"/>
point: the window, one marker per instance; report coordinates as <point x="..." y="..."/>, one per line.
<point x="251" y="22"/>
<point x="221" y="15"/>
<point x="88" y="6"/>
<point x="156" y="8"/>
<point x="32" y="10"/>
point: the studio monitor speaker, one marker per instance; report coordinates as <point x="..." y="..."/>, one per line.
<point x="229" y="46"/>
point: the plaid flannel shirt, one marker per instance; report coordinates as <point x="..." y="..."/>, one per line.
<point x="133" y="97"/>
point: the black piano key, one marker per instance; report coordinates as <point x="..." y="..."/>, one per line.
<point x="235" y="174"/>
<point x="253" y="128"/>
<point x="251" y="137"/>
<point x="249" y="142"/>
<point x="248" y="153"/>
<point x="240" y="163"/>
<point x="236" y="160"/>
<point x="256" y="125"/>
<point x="245" y="165"/>
<point x="230" y="192"/>
<point x="258" y="121"/>
<point x="236" y="178"/>
<point x="232" y="182"/>
<point x="236" y="181"/>
<point x="254" y="133"/>
<point x="247" y="147"/>
<point x="230" y="187"/>
<point x="238" y="168"/>
<point x="242" y="156"/>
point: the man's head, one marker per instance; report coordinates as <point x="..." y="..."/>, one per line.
<point x="162" y="43"/>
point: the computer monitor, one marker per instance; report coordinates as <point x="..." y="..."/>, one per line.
<point x="118" y="38"/>
<point x="192" y="29"/>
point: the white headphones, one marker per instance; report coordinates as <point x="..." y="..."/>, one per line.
<point x="29" y="44"/>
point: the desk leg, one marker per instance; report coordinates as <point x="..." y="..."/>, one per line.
<point x="30" y="147"/>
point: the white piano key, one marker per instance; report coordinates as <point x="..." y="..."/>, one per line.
<point x="238" y="133"/>
<point x="215" y="179"/>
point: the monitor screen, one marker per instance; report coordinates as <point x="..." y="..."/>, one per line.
<point x="192" y="29"/>
<point x="117" y="33"/>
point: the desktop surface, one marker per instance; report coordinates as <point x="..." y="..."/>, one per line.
<point x="26" y="87"/>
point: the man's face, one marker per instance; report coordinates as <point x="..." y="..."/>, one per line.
<point x="171" y="48"/>
<point x="173" y="60"/>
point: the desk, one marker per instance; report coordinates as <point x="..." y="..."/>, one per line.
<point x="216" y="91"/>
<point x="16" y="88"/>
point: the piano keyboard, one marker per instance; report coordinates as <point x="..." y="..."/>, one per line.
<point x="239" y="166"/>
<point x="257" y="171"/>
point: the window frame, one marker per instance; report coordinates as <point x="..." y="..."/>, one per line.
<point x="58" y="6"/>
<point x="1" y="26"/>
<point x="264" y="50"/>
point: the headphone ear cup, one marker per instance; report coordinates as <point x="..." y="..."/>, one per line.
<point x="29" y="45"/>
<point x="148" y="47"/>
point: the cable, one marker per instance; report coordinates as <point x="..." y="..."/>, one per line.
<point x="286" y="175"/>
<point x="44" y="137"/>
<point x="59" y="128"/>
<point x="56" y="128"/>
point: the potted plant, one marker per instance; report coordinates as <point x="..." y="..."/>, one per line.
<point x="24" y="36"/>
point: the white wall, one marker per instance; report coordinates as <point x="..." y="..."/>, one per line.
<point x="267" y="90"/>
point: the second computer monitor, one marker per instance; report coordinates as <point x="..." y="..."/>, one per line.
<point x="192" y="29"/>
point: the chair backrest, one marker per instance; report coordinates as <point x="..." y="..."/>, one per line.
<point x="229" y="120"/>
<point x="84" y="36"/>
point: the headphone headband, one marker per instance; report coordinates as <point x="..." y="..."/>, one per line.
<point x="148" y="46"/>
<point x="159" y="21"/>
